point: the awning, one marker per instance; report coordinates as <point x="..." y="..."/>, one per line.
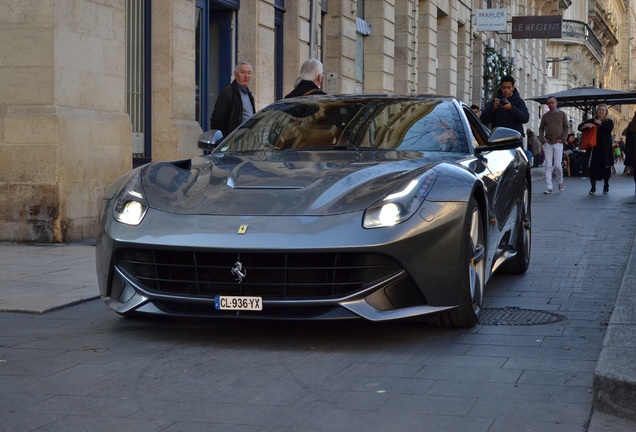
<point x="587" y="98"/>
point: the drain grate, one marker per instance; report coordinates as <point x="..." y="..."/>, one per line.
<point x="514" y="316"/>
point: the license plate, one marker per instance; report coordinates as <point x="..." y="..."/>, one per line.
<point x="238" y="303"/>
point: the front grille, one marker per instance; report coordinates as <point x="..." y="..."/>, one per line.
<point x="268" y="275"/>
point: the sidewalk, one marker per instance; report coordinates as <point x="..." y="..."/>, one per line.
<point x="39" y="278"/>
<point x="615" y="375"/>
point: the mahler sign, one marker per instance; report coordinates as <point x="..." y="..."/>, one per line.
<point x="491" y="19"/>
<point x="535" y="27"/>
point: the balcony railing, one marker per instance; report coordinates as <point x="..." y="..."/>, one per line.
<point x="581" y="32"/>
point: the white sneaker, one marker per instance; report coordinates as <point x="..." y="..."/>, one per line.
<point x="547" y="191"/>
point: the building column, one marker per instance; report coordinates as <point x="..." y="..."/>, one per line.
<point x="64" y="131"/>
<point x="296" y="28"/>
<point x="379" y="47"/>
<point x="256" y="27"/>
<point x="446" y="55"/>
<point x="340" y="47"/>
<point x="427" y="48"/>
<point x="406" y="47"/>
<point x="174" y="128"/>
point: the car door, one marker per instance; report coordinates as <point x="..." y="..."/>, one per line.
<point x="505" y="171"/>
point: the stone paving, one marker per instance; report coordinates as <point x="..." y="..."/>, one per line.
<point x="39" y="278"/>
<point x="69" y="363"/>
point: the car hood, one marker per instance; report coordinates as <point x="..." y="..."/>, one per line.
<point x="280" y="183"/>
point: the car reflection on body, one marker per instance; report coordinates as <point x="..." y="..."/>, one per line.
<point x="324" y="207"/>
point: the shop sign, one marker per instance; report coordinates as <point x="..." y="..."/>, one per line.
<point x="492" y="20"/>
<point x="537" y="27"/>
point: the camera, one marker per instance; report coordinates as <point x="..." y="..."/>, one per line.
<point x="503" y="101"/>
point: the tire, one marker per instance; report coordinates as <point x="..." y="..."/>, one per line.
<point x="472" y="282"/>
<point x="523" y="245"/>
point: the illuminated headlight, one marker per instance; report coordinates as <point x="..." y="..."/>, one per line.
<point x="130" y="205"/>
<point x="401" y="204"/>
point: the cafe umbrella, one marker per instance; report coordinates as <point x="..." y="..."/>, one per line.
<point x="587" y="98"/>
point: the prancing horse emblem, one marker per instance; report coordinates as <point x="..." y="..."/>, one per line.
<point x="239" y="272"/>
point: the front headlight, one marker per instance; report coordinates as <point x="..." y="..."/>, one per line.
<point x="130" y="206"/>
<point x="400" y="204"/>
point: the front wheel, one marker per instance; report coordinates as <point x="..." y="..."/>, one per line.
<point x="472" y="281"/>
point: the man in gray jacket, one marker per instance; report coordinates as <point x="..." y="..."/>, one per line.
<point x="553" y="131"/>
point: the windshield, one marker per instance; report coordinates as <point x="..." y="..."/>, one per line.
<point x="386" y="124"/>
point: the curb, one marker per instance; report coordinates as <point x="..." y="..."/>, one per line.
<point x="614" y="384"/>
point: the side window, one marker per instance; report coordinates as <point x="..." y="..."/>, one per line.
<point x="440" y="130"/>
<point x="478" y="130"/>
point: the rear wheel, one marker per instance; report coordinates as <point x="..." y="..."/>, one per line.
<point x="471" y="287"/>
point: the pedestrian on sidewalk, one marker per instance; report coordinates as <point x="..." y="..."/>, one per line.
<point x="235" y="103"/>
<point x="310" y="80"/>
<point x="534" y="145"/>
<point x="553" y="131"/>
<point x="601" y="161"/>
<point x="629" y="155"/>
<point x="630" y="143"/>
<point x="507" y="109"/>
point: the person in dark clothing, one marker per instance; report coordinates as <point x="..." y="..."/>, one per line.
<point x="575" y="158"/>
<point x="507" y="109"/>
<point x="630" y="145"/>
<point x="534" y="145"/>
<point x="310" y="80"/>
<point x="629" y="155"/>
<point x="570" y="143"/>
<point x="235" y="103"/>
<point x="602" y="158"/>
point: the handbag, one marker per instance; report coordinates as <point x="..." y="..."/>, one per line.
<point x="588" y="139"/>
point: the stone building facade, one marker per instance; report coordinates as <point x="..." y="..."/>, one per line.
<point x="91" y="88"/>
<point x="64" y="130"/>
<point x="597" y="48"/>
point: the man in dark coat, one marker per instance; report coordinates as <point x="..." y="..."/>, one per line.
<point x="235" y="103"/>
<point x="311" y="76"/>
<point x="507" y="109"/>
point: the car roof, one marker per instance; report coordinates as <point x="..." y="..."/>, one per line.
<point x="372" y="96"/>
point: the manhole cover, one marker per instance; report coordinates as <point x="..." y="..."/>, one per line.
<point x="514" y="316"/>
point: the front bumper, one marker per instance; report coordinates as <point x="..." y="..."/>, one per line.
<point x="421" y="280"/>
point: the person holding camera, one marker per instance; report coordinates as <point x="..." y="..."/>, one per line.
<point x="553" y="132"/>
<point x="507" y="109"/>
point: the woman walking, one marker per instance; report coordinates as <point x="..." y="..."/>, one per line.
<point x="630" y="143"/>
<point x="601" y="160"/>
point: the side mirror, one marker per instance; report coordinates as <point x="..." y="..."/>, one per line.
<point x="210" y="139"/>
<point x="502" y="138"/>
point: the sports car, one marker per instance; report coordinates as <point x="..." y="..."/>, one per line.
<point x="323" y="207"/>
